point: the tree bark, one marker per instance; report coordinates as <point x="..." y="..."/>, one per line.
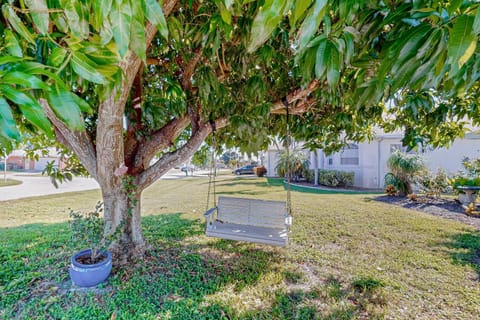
<point x="122" y="213"/>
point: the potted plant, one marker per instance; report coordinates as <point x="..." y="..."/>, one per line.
<point x="93" y="264"/>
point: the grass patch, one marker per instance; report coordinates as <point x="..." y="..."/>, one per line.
<point x="9" y="182"/>
<point x="348" y="258"/>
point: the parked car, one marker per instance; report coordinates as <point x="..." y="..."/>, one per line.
<point x="187" y="169"/>
<point x="244" y="170"/>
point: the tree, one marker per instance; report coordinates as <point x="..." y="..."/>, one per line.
<point x="121" y="82"/>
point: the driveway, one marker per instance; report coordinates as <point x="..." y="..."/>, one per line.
<point x="37" y="185"/>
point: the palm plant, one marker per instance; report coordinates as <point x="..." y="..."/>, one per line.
<point x="403" y="168"/>
<point x="294" y="162"/>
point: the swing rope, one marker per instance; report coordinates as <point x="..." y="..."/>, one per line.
<point x="287" y="146"/>
<point x="213" y="167"/>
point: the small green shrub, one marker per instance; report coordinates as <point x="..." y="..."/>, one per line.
<point x="469" y="176"/>
<point x="87" y="231"/>
<point x="433" y="185"/>
<point x="331" y="178"/>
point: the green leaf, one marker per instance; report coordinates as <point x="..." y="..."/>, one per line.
<point x="8" y="126"/>
<point x="12" y="44"/>
<point x="137" y="32"/>
<point x="16" y="23"/>
<point x="39" y="13"/>
<point x="82" y="104"/>
<point x="106" y="32"/>
<point x="300" y="8"/>
<point x="462" y="42"/>
<point x="321" y="61"/>
<point x="350" y="47"/>
<point x="10" y="59"/>
<point x="311" y="23"/>
<point x="121" y="19"/>
<point x="476" y="22"/>
<point x="226" y="16"/>
<point x="66" y="108"/>
<point x="57" y="56"/>
<point x="101" y="9"/>
<point x="155" y="15"/>
<point x="29" y="107"/>
<point x="26" y="80"/>
<point x="267" y="19"/>
<point x="75" y="17"/>
<point x="86" y="68"/>
<point x="333" y="69"/>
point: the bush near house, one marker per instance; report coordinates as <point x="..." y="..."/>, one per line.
<point x="433" y="185"/>
<point x="403" y="170"/>
<point x="469" y="176"/>
<point x="332" y="178"/>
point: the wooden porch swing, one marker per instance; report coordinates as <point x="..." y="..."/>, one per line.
<point x="251" y="220"/>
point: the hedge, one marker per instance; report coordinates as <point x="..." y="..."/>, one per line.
<point x="332" y="178"/>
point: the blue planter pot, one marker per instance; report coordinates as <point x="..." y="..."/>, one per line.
<point x="89" y="275"/>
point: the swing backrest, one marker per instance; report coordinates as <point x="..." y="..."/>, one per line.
<point x="260" y="213"/>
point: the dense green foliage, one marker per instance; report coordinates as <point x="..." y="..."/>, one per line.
<point x="417" y="61"/>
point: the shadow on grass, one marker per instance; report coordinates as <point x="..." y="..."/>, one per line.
<point x="466" y="249"/>
<point x="173" y="281"/>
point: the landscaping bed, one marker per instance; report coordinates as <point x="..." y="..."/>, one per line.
<point x="442" y="207"/>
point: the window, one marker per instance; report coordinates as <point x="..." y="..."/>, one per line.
<point x="349" y="155"/>
<point x="330" y="161"/>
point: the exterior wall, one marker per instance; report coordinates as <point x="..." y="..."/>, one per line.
<point x="373" y="157"/>
<point x="271" y="162"/>
<point x="450" y="158"/>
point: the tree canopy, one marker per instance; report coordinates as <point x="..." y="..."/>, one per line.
<point x="121" y="82"/>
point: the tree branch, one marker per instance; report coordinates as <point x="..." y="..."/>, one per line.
<point x="300" y="97"/>
<point x="172" y="159"/>
<point x="159" y="140"/>
<point x="77" y="141"/>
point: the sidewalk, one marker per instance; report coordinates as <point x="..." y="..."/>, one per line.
<point x="36" y="185"/>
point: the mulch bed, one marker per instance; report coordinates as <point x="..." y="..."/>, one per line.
<point x="445" y="208"/>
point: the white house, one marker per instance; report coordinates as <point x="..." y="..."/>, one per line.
<point x="368" y="160"/>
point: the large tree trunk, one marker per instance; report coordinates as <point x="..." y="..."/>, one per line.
<point x="122" y="211"/>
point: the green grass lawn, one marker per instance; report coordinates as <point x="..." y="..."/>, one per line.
<point x="9" y="182"/>
<point x="349" y="258"/>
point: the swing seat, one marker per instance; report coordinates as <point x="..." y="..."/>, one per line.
<point x="250" y="220"/>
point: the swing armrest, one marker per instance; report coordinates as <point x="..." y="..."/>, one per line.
<point x="209" y="215"/>
<point x="288" y="221"/>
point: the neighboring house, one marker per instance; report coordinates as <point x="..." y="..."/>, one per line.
<point x="368" y="160"/>
<point x="18" y="160"/>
